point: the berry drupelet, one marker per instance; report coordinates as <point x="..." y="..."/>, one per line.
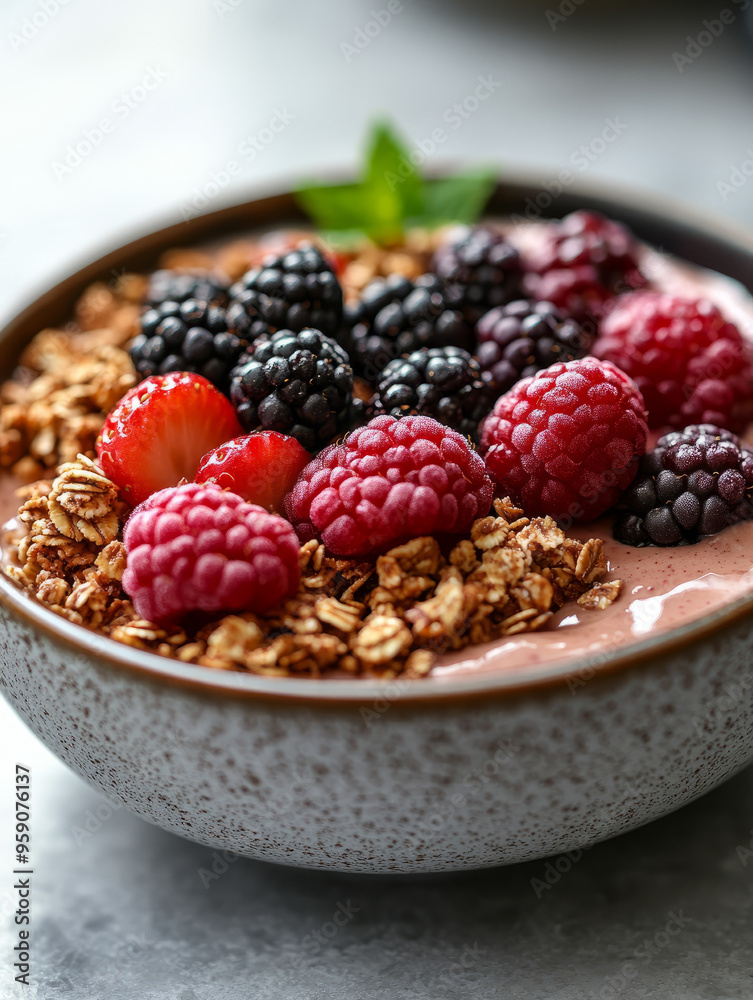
<point x="583" y="262"/>
<point x="395" y="316"/>
<point x="695" y="483"/>
<point x="179" y="286"/>
<point x="294" y="291"/>
<point x="300" y="384"/>
<point x="190" y="336"/>
<point x="522" y="337"/>
<point x="692" y="366"/>
<point x="480" y="269"/>
<point x="441" y="382"/>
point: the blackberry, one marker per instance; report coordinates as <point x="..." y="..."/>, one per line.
<point x="695" y="483"/>
<point x="395" y="316"/>
<point x="480" y="269"/>
<point x="294" y="291"/>
<point x="521" y="338"/>
<point x="441" y="382"/>
<point x="179" y="286"/>
<point x="582" y="262"/>
<point x="299" y="383"/>
<point x="190" y="336"/>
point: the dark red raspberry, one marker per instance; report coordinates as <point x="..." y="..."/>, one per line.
<point x="583" y="262"/>
<point x="567" y="441"/>
<point x="695" y="483"/>
<point x="691" y="365"/>
<point x="388" y="481"/>
<point x="197" y="547"/>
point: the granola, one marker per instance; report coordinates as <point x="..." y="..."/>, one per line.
<point x="391" y="616"/>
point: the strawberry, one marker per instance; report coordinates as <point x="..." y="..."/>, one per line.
<point x="260" y="467"/>
<point x="158" y="432"/>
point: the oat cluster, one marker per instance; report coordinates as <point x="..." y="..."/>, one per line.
<point x="67" y="381"/>
<point x="388" y="617"/>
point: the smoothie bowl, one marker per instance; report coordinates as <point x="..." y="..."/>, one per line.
<point x="453" y="575"/>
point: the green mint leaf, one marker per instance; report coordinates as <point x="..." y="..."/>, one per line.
<point x="392" y="194"/>
<point x="391" y="176"/>
<point x="457" y="199"/>
<point x="335" y="206"/>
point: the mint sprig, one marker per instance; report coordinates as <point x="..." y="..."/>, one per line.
<point x="392" y="196"/>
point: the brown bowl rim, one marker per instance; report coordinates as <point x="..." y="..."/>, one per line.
<point x="702" y="232"/>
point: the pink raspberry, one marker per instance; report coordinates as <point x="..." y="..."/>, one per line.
<point x="567" y="441"/>
<point x="692" y="366"/>
<point x="584" y="261"/>
<point x="200" y="548"/>
<point x="388" y="481"/>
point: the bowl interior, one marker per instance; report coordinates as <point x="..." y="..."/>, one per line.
<point x="674" y="229"/>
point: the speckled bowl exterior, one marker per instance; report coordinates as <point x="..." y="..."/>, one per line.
<point x="402" y="776"/>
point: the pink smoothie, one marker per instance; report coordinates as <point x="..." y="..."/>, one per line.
<point x="662" y="588"/>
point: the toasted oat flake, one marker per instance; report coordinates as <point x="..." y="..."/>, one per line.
<point x="601" y="595"/>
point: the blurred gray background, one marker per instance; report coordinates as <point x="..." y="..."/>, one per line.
<point x="118" y="117"/>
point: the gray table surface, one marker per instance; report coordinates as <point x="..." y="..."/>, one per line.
<point x="122" y="911"/>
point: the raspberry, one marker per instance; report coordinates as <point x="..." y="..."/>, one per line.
<point x="567" y="441"/>
<point x="480" y="269"/>
<point x="691" y="365"/>
<point x="197" y="547"/>
<point x="584" y="261"/>
<point x="695" y="483"/>
<point x="388" y="481"/>
<point x="519" y="339"/>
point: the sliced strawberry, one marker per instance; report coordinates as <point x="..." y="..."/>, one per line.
<point x="260" y="467"/>
<point x="158" y="432"/>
